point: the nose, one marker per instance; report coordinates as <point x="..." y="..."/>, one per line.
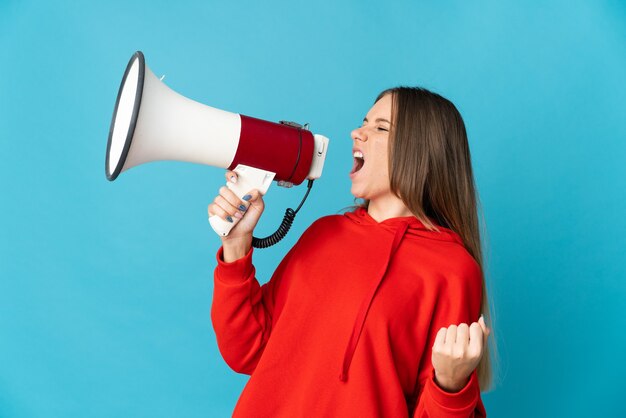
<point x="359" y="134"/>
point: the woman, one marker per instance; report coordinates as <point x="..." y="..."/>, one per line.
<point x="374" y="313"/>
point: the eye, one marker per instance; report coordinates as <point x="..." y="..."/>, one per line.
<point x="383" y="129"/>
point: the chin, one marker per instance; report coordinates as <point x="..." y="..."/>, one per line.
<point x="357" y="193"/>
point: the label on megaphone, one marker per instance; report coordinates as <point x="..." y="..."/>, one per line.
<point x="248" y="178"/>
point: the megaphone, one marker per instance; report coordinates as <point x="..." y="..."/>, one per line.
<point x="151" y="122"/>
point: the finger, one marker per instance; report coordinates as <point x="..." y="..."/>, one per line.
<point x="486" y="331"/>
<point x="476" y="339"/>
<point x="233" y="200"/>
<point x="451" y="335"/>
<point x="216" y="210"/>
<point x="440" y="338"/>
<point x="462" y="334"/>
<point x="229" y="209"/>
<point x="231" y="176"/>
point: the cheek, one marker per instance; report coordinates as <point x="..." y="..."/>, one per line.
<point x="382" y="156"/>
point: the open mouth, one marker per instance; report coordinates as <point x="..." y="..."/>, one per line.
<point x="358" y="162"/>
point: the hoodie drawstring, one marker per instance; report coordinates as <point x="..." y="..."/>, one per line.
<point x="367" y="302"/>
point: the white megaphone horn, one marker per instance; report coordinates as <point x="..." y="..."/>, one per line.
<point x="151" y="122"/>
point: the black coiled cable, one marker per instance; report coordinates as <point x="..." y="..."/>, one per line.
<point x="280" y="233"/>
<point x="284" y="227"/>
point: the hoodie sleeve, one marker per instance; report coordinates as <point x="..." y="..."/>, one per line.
<point x="434" y="402"/>
<point x="242" y="311"/>
<point x="459" y="302"/>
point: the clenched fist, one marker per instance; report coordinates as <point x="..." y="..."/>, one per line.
<point x="456" y="353"/>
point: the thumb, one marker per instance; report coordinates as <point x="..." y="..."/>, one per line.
<point x="486" y="331"/>
<point x="252" y="196"/>
<point x="255" y="199"/>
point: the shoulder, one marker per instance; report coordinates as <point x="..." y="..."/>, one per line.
<point x="450" y="265"/>
<point x="462" y="277"/>
<point x="465" y="265"/>
<point x="323" y="226"/>
<point x="327" y="226"/>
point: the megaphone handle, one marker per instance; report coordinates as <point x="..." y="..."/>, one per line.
<point x="248" y="178"/>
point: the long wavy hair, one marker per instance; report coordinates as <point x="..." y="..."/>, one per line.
<point x="430" y="170"/>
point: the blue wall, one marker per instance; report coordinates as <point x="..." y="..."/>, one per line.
<point x="105" y="288"/>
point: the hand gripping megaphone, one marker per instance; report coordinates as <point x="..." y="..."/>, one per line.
<point x="151" y="122"/>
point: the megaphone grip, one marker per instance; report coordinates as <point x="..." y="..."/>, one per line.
<point x="248" y="178"/>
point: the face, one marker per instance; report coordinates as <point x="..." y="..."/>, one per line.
<point x="370" y="171"/>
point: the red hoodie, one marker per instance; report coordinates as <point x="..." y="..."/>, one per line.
<point x="346" y="324"/>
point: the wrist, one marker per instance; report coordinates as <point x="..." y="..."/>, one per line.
<point x="236" y="248"/>
<point x="449" y="384"/>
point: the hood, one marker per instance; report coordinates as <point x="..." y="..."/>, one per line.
<point x="415" y="226"/>
<point x="400" y="227"/>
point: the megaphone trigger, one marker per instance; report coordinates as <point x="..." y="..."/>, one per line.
<point x="248" y="178"/>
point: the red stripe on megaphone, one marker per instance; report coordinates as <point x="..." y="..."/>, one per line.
<point x="282" y="149"/>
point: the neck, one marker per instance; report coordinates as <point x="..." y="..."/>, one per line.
<point x="383" y="208"/>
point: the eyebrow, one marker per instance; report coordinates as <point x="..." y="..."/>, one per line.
<point x="378" y="120"/>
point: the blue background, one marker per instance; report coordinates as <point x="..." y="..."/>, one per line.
<point x="105" y="288"/>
